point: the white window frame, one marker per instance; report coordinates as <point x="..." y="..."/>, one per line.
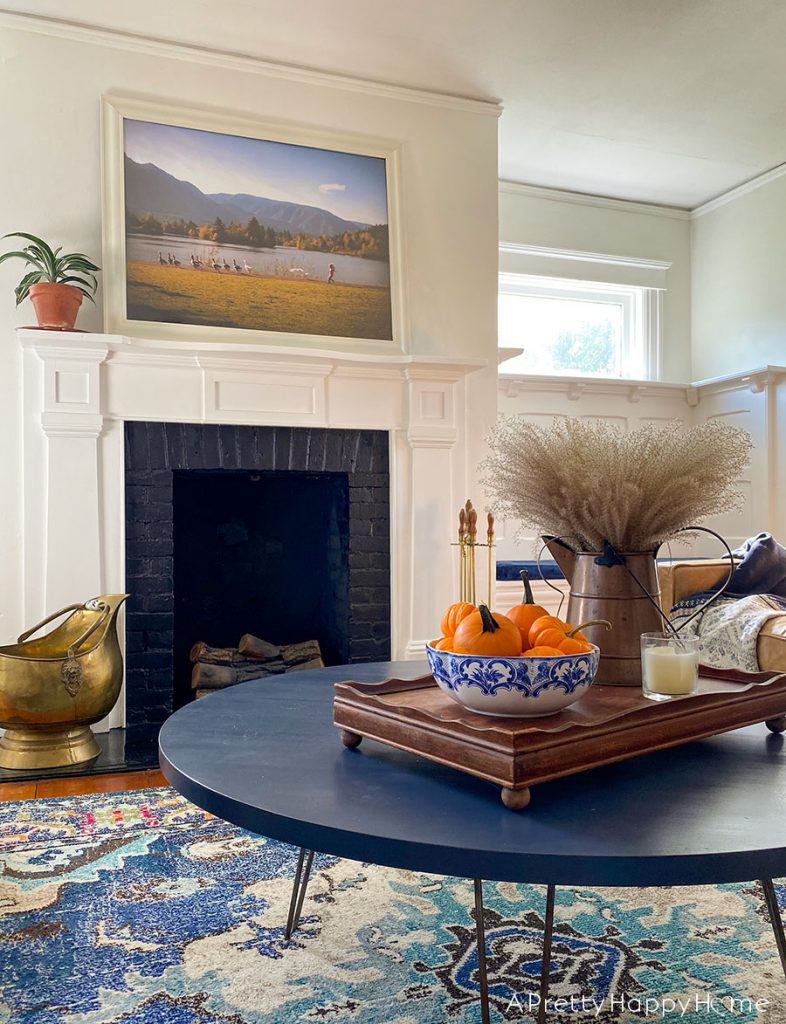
<point x="641" y="316"/>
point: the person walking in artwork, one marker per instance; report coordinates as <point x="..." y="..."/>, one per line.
<point x="331" y="272"/>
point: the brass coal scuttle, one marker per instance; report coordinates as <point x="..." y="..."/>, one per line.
<point x="54" y="687"/>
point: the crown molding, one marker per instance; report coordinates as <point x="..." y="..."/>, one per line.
<point x="62" y="28"/>
<point x="741" y="190"/>
<point x="558" y="195"/>
<point x="548" y="252"/>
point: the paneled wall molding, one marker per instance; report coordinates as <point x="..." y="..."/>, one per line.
<point x="71" y="382"/>
<point x="172" y="49"/>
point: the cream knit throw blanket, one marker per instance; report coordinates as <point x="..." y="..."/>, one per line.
<point x="729" y="629"/>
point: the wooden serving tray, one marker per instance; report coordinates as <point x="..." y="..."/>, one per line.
<point x="607" y="724"/>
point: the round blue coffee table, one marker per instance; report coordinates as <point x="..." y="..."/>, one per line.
<point x="266" y="756"/>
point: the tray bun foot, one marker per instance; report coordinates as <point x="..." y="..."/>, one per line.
<point x="350" y="739"/>
<point x="515" y="799"/>
<point x="776" y="724"/>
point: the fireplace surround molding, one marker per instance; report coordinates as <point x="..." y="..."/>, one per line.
<point x="80" y="388"/>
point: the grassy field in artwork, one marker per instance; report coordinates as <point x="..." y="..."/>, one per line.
<point x="183" y="295"/>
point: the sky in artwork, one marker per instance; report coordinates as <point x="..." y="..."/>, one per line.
<point x="346" y="184"/>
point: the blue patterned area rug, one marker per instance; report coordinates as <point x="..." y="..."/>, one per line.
<point x="139" y="908"/>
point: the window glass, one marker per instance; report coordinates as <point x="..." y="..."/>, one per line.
<point x="578" y="328"/>
<point x="562" y="335"/>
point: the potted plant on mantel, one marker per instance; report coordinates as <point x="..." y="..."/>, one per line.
<point x="55" y="284"/>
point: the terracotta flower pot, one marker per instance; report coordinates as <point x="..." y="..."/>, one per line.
<point x="56" y="305"/>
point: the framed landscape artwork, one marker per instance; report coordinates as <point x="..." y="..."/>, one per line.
<point x="219" y="227"/>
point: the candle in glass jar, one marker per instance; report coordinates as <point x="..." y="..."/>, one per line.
<point x="669" y="670"/>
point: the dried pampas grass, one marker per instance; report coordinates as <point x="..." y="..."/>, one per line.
<point x="589" y="482"/>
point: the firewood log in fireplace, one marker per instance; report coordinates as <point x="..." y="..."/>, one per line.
<point x="205" y="676"/>
<point x="218" y="667"/>
<point x="202" y="652"/>
<point x="252" y="647"/>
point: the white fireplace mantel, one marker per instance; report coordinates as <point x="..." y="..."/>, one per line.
<point x="79" y="388"/>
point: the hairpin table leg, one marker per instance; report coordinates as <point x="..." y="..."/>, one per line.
<point x="548" y="931"/>
<point x="480" y="931"/>
<point x="771" y="899"/>
<point x="299" y="886"/>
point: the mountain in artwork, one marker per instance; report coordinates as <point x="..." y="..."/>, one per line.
<point x="152" y="190"/>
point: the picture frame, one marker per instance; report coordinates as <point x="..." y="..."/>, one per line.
<point x="317" y="279"/>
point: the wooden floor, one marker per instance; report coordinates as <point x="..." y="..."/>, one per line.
<point x="81" y="784"/>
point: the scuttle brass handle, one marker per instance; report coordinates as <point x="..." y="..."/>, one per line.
<point x="101" y="606"/>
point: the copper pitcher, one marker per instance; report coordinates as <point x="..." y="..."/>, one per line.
<point x="627" y="595"/>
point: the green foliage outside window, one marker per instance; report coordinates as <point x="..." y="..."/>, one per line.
<point x="590" y="348"/>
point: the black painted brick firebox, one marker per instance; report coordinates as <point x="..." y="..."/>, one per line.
<point x="154" y="451"/>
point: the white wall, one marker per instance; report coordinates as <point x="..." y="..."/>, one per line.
<point x="739" y="294"/>
<point x="615" y="229"/>
<point x="51" y="186"/>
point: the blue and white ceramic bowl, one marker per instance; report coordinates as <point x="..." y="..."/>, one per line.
<point x="513" y="687"/>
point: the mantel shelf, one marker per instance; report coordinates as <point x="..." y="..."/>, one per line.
<point x="120" y="348"/>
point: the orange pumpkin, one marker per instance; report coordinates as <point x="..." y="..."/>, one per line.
<point x="562" y="634"/>
<point x="570" y="645"/>
<point x="576" y="643"/>
<point x="542" y="624"/>
<point x="527" y="612"/>
<point x="453" y="615"/>
<point x="486" y="632"/>
<point x="542" y="651"/>
<point x="551" y="637"/>
<point x="445" y="643"/>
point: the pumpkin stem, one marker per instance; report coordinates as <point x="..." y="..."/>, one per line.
<point x="589" y="622"/>
<point x="528" y="598"/>
<point x="490" y="624"/>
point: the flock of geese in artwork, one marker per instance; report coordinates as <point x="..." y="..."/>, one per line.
<point x="220" y="266"/>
